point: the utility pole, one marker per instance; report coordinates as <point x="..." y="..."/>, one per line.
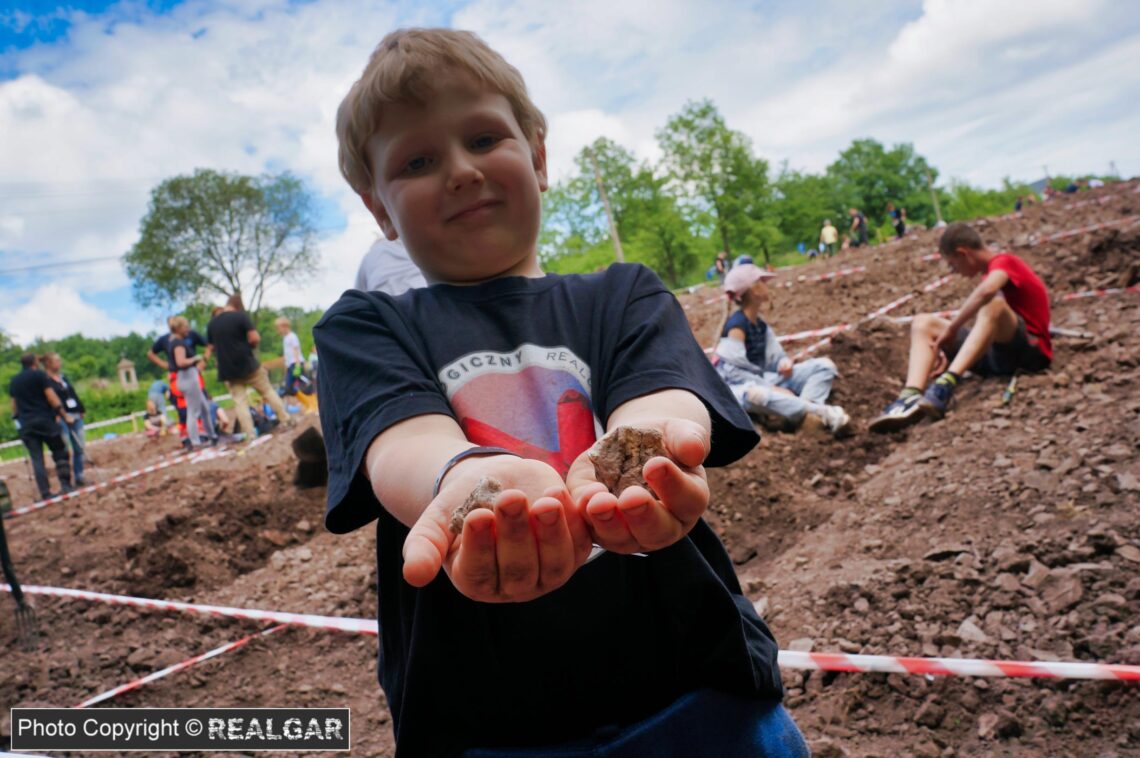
<point x="934" y="197"/>
<point x="1112" y="169"/>
<point x="606" y="204"/>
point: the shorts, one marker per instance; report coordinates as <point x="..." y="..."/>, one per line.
<point x="1004" y="359"/>
<point x="701" y="723"/>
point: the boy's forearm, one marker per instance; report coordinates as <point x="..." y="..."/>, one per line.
<point x="403" y="462"/>
<point x="664" y="404"/>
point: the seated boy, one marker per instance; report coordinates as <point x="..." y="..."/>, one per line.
<point x="1010" y="333"/>
<point x="765" y="381"/>
<point x="499" y="634"/>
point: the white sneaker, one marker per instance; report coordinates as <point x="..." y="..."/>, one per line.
<point x="835" y="420"/>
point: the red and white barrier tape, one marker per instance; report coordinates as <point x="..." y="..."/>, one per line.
<point x="1100" y="293"/>
<point x="787" y="658"/>
<point x="178" y="667"/>
<point x="874" y="315"/>
<point x="832" y="274"/>
<point x="333" y="623"/>
<point x="807" y="335"/>
<point x="97" y="486"/>
<point x="1033" y="242"/>
<point x="957" y="666"/>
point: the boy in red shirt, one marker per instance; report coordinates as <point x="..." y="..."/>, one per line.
<point x="1010" y="333"/>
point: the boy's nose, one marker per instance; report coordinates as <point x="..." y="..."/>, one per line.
<point x="462" y="171"/>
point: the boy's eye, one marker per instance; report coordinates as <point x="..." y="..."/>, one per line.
<point x="484" y="141"/>
<point x="417" y="164"/>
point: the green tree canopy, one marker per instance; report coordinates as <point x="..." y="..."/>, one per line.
<point x="867" y="176"/>
<point x="713" y="167"/>
<point x="214" y="233"/>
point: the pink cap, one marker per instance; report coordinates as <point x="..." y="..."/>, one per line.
<point x="741" y="277"/>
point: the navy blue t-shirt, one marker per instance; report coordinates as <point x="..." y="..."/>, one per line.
<point x="755" y="336"/>
<point x="535" y="365"/>
<point x="164" y="346"/>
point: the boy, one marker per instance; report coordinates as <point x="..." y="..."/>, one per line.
<point x="291" y="351"/>
<point x="760" y="374"/>
<point x="1010" y="334"/>
<point x="521" y="641"/>
<point x="829" y="238"/>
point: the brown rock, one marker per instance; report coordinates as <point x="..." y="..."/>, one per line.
<point x="1061" y="590"/>
<point x="944" y="552"/>
<point x="1036" y="576"/>
<point x="483" y="496"/>
<point x="1129" y="553"/>
<point x="825" y="747"/>
<point x="619" y="457"/>
<point x="930" y="714"/>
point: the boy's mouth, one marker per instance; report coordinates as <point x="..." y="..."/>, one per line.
<point x="474" y="210"/>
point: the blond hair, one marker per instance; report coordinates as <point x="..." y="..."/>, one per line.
<point x="283" y="321"/>
<point x="404" y="68"/>
<point x="177" y="322"/>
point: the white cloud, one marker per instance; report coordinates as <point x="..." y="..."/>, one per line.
<point x="982" y="89"/>
<point x="55" y="311"/>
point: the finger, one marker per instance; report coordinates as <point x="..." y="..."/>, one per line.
<point x="687" y="442"/>
<point x="650" y="524"/>
<point x="426" y="546"/>
<point x="685" y="493"/>
<point x="555" y="548"/>
<point x="474" y="570"/>
<point x="516" y="549"/>
<point x="574" y="513"/>
<point x="609" y="530"/>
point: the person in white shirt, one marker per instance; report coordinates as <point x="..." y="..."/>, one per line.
<point x="387" y="268"/>
<point x="294" y="358"/>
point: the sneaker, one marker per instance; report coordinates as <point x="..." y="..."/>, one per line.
<point x="901" y="413"/>
<point x="936" y="400"/>
<point x="774" y="422"/>
<point x="187" y="445"/>
<point x="836" y="420"/>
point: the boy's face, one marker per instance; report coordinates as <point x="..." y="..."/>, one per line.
<point x="282" y="329"/>
<point x="964" y="262"/>
<point x="459" y="183"/>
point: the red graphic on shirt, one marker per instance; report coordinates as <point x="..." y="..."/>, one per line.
<point x="575" y="428"/>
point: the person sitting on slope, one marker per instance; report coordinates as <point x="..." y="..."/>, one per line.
<point x="765" y="381"/>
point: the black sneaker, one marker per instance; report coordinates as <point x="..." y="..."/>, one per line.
<point x="901" y="413"/>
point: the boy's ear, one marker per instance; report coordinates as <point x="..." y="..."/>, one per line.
<point x="380" y="213"/>
<point x="538" y="153"/>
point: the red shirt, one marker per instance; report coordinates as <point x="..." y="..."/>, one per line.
<point x="1027" y="296"/>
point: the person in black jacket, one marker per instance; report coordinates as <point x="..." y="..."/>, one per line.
<point x="71" y="431"/>
<point x="36" y="409"/>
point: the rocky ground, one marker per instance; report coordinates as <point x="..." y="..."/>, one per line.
<point x="1002" y="532"/>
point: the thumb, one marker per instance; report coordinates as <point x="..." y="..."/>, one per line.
<point x="686" y="441"/>
<point x="426" y="547"/>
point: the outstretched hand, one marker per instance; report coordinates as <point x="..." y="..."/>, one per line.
<point x="634" y="520"/>
<point x="529" y="544"/>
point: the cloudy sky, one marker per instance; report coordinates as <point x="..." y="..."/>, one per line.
<point x="99" y="101"/>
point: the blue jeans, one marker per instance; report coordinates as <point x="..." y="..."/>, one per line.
<point x="810" y="381"/>
<point x="77" y="441"/>
<point x="701" y="723"/>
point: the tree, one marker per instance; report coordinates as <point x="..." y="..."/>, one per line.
<point x="715" y="166"/>
<point x="803" y="202"/>
<point x="867" y="176"/>
<point x="215" y="233"/>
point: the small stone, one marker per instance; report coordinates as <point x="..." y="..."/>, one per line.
<point x="620" y="456"/>
<point x="761" y="607"/>
<point x="861" y="605"/>
<point x="801" y="645"/>
<point x="303" y="553"/>
<point x="1007" y="583"/>
<point x="1002" y="462"/>
<point x="1060" y="590"/>
<point x="930" y="714"/>
<point x="968" y="630"/>
<point x="1129" y="553"/>
<point x="825" y="747"/>
<point x="925" y="456"/>
<point x="1126" y="482"/>
<point x="483" y="496"/>
<point x="304" y="526"/>
<point x="943" y="552"/>
<point x="1036" y="575"/>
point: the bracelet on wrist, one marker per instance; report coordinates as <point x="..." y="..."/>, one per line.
<point x="468" y="453"/>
